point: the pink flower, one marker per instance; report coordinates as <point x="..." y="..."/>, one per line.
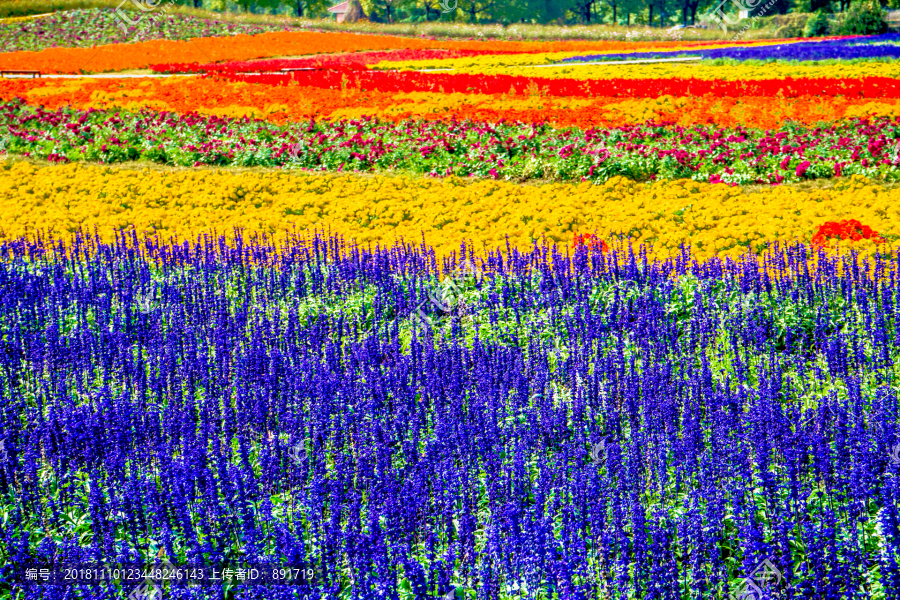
<point x="802" y="168"/>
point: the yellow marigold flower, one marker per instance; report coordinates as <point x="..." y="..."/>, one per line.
<point x="713" y="218"/>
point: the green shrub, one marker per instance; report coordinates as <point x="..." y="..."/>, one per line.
<point x="816" y="26"/>
<point x="788" y="31"/>
<point x="782" y="26"/>
<point x="776" y="21"/>
<point x="864" y="18"/>
<point x="23" y="8"/>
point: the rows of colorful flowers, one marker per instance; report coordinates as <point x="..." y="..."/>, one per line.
<point x="337" y="61"/>
<point x="140" y="55"/>
<point x="713" y="219"/>
<point x="517" y="329"/>
<point x="548" y="65"/>
<point x="406" y="82"/>
<point x="879" y="46"/>
<point x="581" y="427"/>
<point x="506" y="55"/>
<point x="294" y="103"/>
<point x="439" y="148"/>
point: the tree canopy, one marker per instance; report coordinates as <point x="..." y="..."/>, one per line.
<point x="656" y="13"/>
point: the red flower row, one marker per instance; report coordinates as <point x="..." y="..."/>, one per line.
<point x="407" y="81"/>
<point x="850" y="229"/>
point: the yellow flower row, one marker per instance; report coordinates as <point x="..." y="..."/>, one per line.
<point x="516" y="65"/>
<point x="713" y="218"/>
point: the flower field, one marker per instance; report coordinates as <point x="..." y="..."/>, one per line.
<point x="714" y="219"/>
<point x="144" y="54"/>
<point x="431" y="318"/>
<point x="438" y="148"/>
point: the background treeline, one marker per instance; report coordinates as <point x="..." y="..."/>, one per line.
<point x="658" y="13"/>
<point x="525" y="19"/>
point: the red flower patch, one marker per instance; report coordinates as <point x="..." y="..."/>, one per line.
<point x="591" y="241"/>
<point x="850" y="229"/>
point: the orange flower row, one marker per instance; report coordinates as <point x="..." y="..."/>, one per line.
<point x="294" y="103"/>
<point x="119" y="57"/>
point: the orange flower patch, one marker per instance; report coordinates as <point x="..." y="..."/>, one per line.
<point x="119" y="57"/>
<point x="295" y="103"/>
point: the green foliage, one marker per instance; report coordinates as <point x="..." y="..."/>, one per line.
<point x="787" y="31"/>
<point x="494" y="19"/>
<point x="816" y="26"/>
<point x="795" y="20"/>
<point x="24" y="8"/>
<point x="864" y="18"/>
<point x="299" y="8"/>
<point x="813" y="6"/>
<point x="783" y="26"/>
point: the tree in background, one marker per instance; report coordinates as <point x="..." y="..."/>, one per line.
<point x="655" y="13"/>
<point x="658" y="9"/>
<point x="474" y="8"/>
<point x="303" y="8"/>
<point x="355" y="12"/>
<point x="552" y="10"/>
<point x="783" y="6"/>
<point x="432" y="7"/>
<point x="630" y="7"/>
<point x="864" y="18"/>
<point x="542" y="11"/>
<point x="387" y="8"/>
<point x="689" y="9"/>
<point x="251" y="6"/>
<point x="614" y="7"/>
<point x="583" y="9"/>
<point x="820" y="6"/>
<point x="210" y="4"/>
